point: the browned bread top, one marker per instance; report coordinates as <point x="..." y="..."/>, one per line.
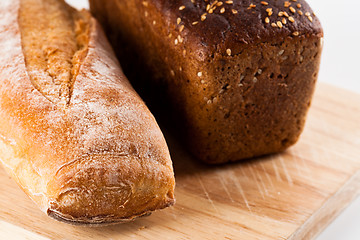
<point x="216" y="26"/>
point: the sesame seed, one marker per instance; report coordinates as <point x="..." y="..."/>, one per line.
<point x="234" y="11"/>
<point x="292" y="9"/>
<point x="264" y="3"/>
<point x="300" y="12"/>
<point x="180" y="39"/>
<point x="146" y="14"/>
<point x="172" y="73"/>
<point x="199" y="74"/>
<point x="178" y="21"/>
<point x="255" y="79"/>
<point x="202" y="81"/>
<point x="269" y="11"/>
<point x="154" y="22"/>
<point x="307" y="14"/>
<point x="310" y="18"/>
<point x="273" y="25"/>
<point x="219" y="4"/>
<point x="267" y="20"/>
<point x="298" y="5"/>
<point x="252" y="6"/>
<point x="176" y="41"/>
<point x="280" y="14"/>
<point x="222" y="10"/>
<point x="287" y="4"/>
<point x="228" y="51"/>
<point x="291" y="19"/>
<point x="281" y="52"/>
<point x="194" y="23"/>
<point x="203" y="17"/>
<point x="286" y="14"/>
<point x="181" y="8"/>
<point x="283" y="21"/>
<point x="145" y="3"/>
<point x="208" y="102"/>
<point x="184" y="52"/>
<point x="279" y="24"/>
<point x="296" y="34"/>
<point x="229" y="2"/>
<point x="181" y="28"/>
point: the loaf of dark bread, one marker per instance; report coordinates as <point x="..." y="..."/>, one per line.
<point x="74" y="134"/>
<point x="239" y="74"/>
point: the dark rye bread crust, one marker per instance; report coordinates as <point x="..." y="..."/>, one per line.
<point x="239" y="81"/>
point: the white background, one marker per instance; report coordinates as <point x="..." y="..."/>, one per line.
<point x="340" y="65"/>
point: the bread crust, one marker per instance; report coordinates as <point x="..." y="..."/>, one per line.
<point x="238" y="81"/>
<point x="99" y="159"/>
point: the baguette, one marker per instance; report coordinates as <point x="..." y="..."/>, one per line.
<point x="238" y="75"/>
<point x="74" y="134"/>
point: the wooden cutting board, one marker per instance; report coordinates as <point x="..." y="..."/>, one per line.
<point x="293" y="195"/>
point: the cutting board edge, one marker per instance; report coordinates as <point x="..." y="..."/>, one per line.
<point x="331" y="208"/>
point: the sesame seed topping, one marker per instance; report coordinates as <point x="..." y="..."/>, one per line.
<point x="279" y="24"/>
<point x="229" y="2"/>
<point x="267" y="20"/>
<point x="292" y="10"/>
<point x="228" y="51"/>
<point x="310" y="18"/>
<point x="154" y="22"/>
<point x="283" y="21"/>
<point x="307" y="14"/>
<point x="300" y="12"/>
<point x="181" y="28"/>
<point x="180" y="39"/>
<point x="194" y="23"/>
<point x="298" y="5"/>
<point x="199" y="74"/>
<point x="178" y="21"/>
<point x="296" y="34"/>
<point x="145" y="3"/>
<point x="234" y="11"/>
<point x="273" y="25"/>
<point x="203" y="17"/>
<point x="287" y="4"/>
<point x="264" y="3"/>
<point x="291" y="19"/>
<point x="269" y="11"/>
<point x="222" y="10"/>
<point x="252" y="6"/>
<point x="181" y="8"/>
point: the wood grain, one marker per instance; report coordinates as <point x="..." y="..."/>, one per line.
<point x="292" y="195"/>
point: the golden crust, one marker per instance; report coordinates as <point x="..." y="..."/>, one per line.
<point x="101" y="158"/>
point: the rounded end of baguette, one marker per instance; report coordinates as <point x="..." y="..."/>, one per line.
<point x="109" y="189"/>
